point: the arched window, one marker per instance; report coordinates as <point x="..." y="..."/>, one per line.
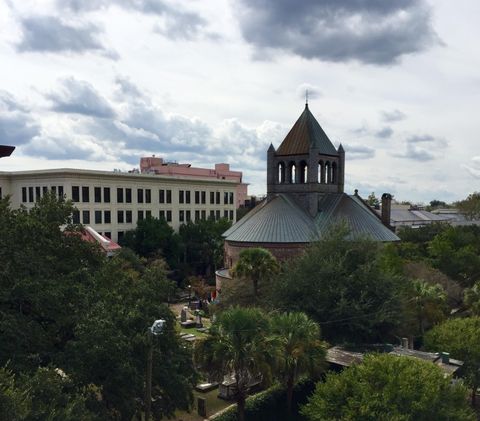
<point x="334" y="173"/>
<point x="303" y="172"/>
<point x="292" y="173"/>
<point x="281" y="172"/>
<point x="327" y="172"/>
<point x="321" y="172"/>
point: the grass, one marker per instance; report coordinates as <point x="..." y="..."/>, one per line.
<point x="213" y="404"/>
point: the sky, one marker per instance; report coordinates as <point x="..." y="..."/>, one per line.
<point x="98" y="84"/>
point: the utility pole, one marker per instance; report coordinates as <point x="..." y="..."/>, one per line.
<point x="155" y="330"/>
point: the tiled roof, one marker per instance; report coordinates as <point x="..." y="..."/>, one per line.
<point x="306" y="133"/>
<point x="281" y="220"/>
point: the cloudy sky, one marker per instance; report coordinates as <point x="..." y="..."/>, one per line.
<point x="99" y="83"/>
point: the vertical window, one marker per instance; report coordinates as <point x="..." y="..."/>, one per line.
<point x="181" y="216"/>
<point x="108" y="234"/>
<point x="204" y="194"/>
<point x="128" y="216"/>
<point x="106" y="194"/>
<point x="169" y="216"/>
<point x="187" y="196"/>
<point x="98" y="217"/>
<point x="54" y="190"/>
<point x="97" y="192"/>
<point x="169" y="196"/>
<point x="85" y="194"/>
<point x="181" y="196"/>
<point x="0" y="193"/>
<point x="188" y="216"/>
<point x="161" y="196"/>
<point x="120" y="218"/>
<point x="218" y="197"/>
<point x="161" y="214"/>
<point x="225" y="198"/>
<point x="225" y="213"/>
<point x="30" y="195"/>
<point x="231" y="215"/>
<point x="204" y="214"/>
<point x="197" y="215"/>
<point x="148" y="196"/>
<point x="148" y="214"/>
<point x="212" y="198"/>
<point x="128" y="195"/>
<point x="38" y="193"/>
<point x="197" y="197"/>
<point x="120" y="236"/>
<point x="107" y="217"/>
<point x="60" y="192"/>
<point x="119" y="195"/>
<point x="212" y="215"/>
<point x="139" y="195"/>
<point x="230" y="197"/>
<point x="140" y="215"/>
<point x="217" y="215"/>
<point x="76" y="217"/>
<point x="24" y="194"/>
<point x="44" y="190"/>
<point x="86" y="216"/>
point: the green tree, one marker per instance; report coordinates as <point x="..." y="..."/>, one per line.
<point x="257" y="265"/>
<point x="372" y="200"/>
<point x="299" y="349"/>
<point x="15" y="402"/>
<point x="461" y="338"/>
<point x="470" y="206"/>
<point x="386" y="387"/>
<point x="344" y="286"/>
<point x="238" y="344"/>
<point x="472" y="299"/>
<point x="154" y="237"/>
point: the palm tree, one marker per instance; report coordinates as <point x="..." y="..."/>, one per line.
<point x="238" y="344"/>
<point x="255" y="264"/>
<point x="299" y="349"/>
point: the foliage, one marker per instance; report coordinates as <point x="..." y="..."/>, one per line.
<point x="470" y="206"/>
<point x="63" y="304"/>
<point x="154" y="237"/>
<point x="372" y="200"/>
<point x="299" y="349"/>
<point x="343" y="286"/>
<point x="14" y="401"/>
<point x="472" y="299"/>
<point x="461" y="338"/>
<point x="434" y="204"/>
<point x="202" y="245"/>
<point x="237" y="345"/>
<point x="271" y="404"/>
<point x="257" y="265"/>
<point x="386" y="387"/>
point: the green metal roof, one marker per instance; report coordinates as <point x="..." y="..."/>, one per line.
<point x="281" y="220"/>
<point x="306" y="133"/>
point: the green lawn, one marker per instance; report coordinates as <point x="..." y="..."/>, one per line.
<point x="214" y="405"/>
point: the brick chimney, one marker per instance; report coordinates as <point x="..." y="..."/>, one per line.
<point x="386" y="209"/>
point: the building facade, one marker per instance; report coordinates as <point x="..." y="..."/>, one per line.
<point x="113" y="202"/>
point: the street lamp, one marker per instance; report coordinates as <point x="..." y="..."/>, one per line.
<point x="155" y="330"/>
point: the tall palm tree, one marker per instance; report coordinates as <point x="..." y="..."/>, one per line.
<point x="299" y="349"/>
<point x="238" y="344"/>
<point x="255" y="264"/>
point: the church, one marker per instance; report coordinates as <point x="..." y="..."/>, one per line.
<point x="305" y="198"/>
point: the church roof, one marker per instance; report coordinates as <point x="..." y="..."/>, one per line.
<point x="304" y="134"/>
<point x="281" y="220"/>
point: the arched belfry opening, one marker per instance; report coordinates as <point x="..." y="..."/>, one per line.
<point x="306" y="164"/>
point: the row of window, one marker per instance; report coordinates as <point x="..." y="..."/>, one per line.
<point x="125" y="217"/>
<point x="32" y="194"/>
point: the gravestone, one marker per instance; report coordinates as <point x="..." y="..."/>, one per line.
<point x="198" y="319"/>
<point x="183" y="314"/>
<point x="202" y="407"/>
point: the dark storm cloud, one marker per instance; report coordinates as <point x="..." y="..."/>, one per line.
<point x="80" y="97"/>
<point x="52" y="35"/>
<point x="358" y="152"/>
<point x="392" y="116"/>
<point x="17" y="127"/>
<point x="369" y="31"/>
<point x="384" y="133"/>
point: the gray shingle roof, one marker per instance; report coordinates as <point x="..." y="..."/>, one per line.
<point x="281" y="220"/>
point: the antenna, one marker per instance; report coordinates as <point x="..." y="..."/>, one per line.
<point x="306" y="96"/>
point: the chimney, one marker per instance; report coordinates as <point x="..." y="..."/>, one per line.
<point x="405" y="343"/>
<point x="386" y="209"/>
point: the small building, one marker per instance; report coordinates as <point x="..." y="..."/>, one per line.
<point x="305" y="198"/>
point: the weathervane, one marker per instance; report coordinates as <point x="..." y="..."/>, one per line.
<point x="306" y="96"/>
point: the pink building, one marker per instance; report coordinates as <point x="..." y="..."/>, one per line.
<point x="221" y="172"/>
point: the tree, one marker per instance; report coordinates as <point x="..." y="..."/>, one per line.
<point x="470" y="206"/>
<point x="256" y="265"/>
<point x="461" y="338"/>
<point x="472" y="299"/>
<point x="299" y="349"/>
<point x="154" y="237"/>
<point x="372" y="200"/>
<point x="238" y="345"/>
<point x="343" y="286"/>
<point x="386" y="387"/>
